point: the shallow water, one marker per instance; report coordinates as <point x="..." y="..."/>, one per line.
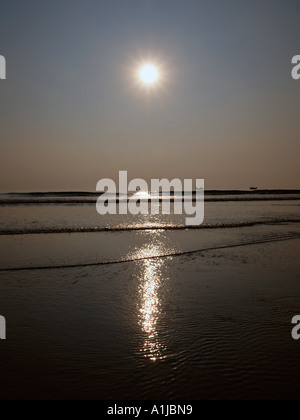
<point x="162" y="314"/>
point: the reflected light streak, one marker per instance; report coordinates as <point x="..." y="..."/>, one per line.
<point x="149" y="306"/>
<point x="150" y="309"/>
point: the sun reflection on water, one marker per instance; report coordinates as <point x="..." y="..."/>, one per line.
<point x="150" y="309"/>
<point x="150" y="305"/>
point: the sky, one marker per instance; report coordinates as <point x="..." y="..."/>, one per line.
<point x="227" y="109"/>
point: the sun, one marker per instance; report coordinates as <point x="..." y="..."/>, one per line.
<point x="149" y="75"/>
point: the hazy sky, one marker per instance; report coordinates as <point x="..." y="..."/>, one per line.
<point x="71" y="114"/>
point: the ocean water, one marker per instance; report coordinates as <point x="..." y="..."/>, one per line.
<point x="140" y="307"/>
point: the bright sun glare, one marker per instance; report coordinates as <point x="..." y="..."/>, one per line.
<point x="149" y="74"/>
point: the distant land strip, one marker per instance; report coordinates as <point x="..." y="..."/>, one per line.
<point x="207" y="192"/>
